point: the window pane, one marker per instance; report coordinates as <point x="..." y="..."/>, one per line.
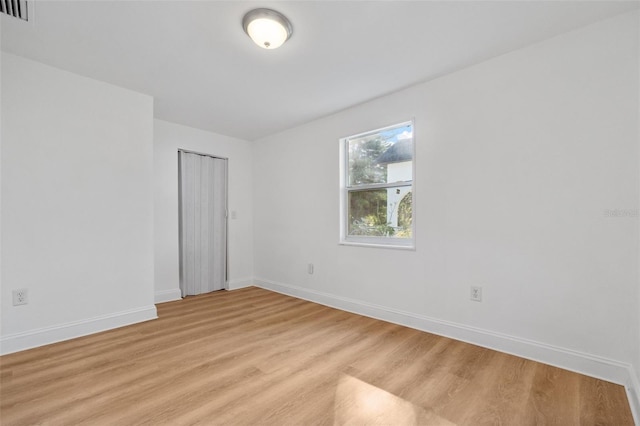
<point x="380" y="212"/>
<point x="381" y="157"/>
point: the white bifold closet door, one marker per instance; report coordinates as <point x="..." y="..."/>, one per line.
<point x="203" y="223"/>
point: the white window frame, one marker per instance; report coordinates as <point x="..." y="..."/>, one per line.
<point x="345" y="189"/>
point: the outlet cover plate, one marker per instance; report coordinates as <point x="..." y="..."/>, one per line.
<point x="20" y="297"/>
<point x="476" y="294"/>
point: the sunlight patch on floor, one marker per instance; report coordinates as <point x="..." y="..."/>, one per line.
<point x="359" y="403"/>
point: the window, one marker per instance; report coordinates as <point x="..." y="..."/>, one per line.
<point x="377" y="187"/>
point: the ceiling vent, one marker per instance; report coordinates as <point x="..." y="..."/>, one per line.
<point x="15" y="8"/>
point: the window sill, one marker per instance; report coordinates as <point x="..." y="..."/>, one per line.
<point x="378" y="245"/>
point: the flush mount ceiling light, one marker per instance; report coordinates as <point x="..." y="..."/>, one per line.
<point x="267" y="28"/>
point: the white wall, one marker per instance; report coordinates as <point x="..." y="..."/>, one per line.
<point x="168" y="138"/>
<point x="517" y="160"/>
<point x="77" y="208"/>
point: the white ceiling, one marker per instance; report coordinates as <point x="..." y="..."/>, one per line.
<point x="203" y="71"/>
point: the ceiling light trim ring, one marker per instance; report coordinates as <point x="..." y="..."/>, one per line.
<point x="264" y="13"/>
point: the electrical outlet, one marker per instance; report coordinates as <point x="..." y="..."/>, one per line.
<point x="20" y="297"/>
<point x="310" y="268"/>
<point x="476" y="294"/>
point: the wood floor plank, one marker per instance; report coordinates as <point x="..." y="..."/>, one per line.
<point x="254" y="357"/>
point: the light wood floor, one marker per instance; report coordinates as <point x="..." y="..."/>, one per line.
<point x="253" y="357"/>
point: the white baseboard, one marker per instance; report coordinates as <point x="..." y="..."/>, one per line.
<point x="162" y="296"/>
<point x="633" y="393"/>
<point x="44" y="336"/>
<point x="240" y="283"/>
<point x="579" y="362"/>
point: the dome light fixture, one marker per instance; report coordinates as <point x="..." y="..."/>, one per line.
<point x="267" y="28"/>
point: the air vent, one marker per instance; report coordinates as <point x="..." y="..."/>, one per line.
<point x="15" y="8"/>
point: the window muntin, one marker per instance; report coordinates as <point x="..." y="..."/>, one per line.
<point x="377" y="187"/>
